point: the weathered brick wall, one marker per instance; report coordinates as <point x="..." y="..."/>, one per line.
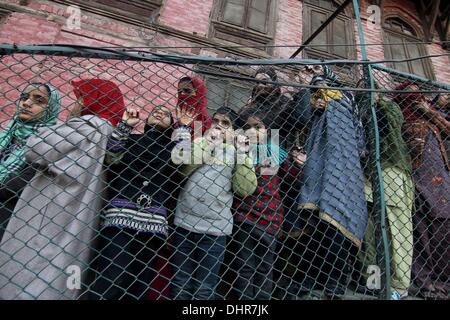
<point x="188" y="16"/>
<point x="288" y="27"/>
<point x="43" y="22"/>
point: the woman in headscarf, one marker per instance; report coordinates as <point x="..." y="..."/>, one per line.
<point x="46" y="247"/>
<point x="425" y="132"/>
<point x="192" y="95"/>
<point x="398" y="194"/>
<point x="331" y="201"/>
<point x="38" y="106"/>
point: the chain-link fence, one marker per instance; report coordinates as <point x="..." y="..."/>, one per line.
<point x="145" y="176"/>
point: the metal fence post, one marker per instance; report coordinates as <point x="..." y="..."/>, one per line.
<point x="377" y="179"/>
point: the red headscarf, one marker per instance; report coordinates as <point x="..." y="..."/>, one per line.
<point x="408" y="103"/>
<point x="199" y="102"/>
<point x="100" y="97"/>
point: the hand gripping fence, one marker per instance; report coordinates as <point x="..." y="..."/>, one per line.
<point x="128" y="174"/>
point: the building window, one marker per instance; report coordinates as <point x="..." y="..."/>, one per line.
<point x="338" y="35"/>
<point x="227" y="93"/>
<point x="248" y="14"/>
<point x="246" y="22"/>
<point x="400" y="39"/>
<point x="137" y="9"/>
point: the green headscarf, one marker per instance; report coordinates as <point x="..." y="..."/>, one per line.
<point x="14" y="137"/>
<point x="393" y="149"/>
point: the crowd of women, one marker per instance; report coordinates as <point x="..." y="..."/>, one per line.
<point x="141" y="218"/>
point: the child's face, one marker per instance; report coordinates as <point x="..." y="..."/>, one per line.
<point x="255" y="130"/>
<point x="160" y="117"/>
<point x="223" y="123"/>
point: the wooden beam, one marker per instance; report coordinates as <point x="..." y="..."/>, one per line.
<point x="428" y="21"/>
<point x="435" y="11"/>
<point x="446" y="15"/>
<point x="447" y="26"/>
<point x="422" y="5"/>
<point x="446" y="29"/>
<point x="446" y="9"/>
<point x="442" y="25"/>
<point x="381" y="4"/>
<point x="421" y="11"/>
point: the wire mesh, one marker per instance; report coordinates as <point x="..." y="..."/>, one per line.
<point x="200" y="178"/>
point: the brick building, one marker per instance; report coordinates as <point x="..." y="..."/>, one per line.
<point x="218" y="28"/>
<point x="215" y="28"/>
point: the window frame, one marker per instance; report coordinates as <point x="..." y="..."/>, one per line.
<point x="230" y="84"/>
<point x="230" y="33"/>
<point x="426" y="63"/>
<point x="145" y="8"/>
<point x="208" y="73"/>
<point x="246" y="16"/>
<point x="326" y="53"/>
